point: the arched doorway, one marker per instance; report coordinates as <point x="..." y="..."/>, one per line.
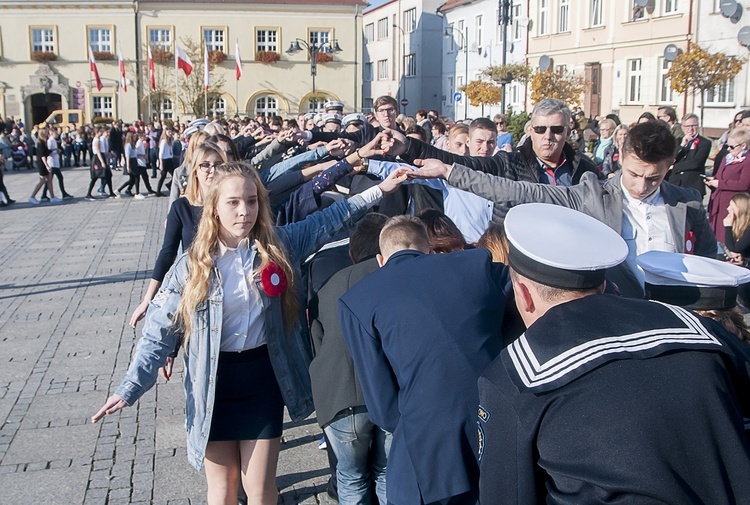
<point x="42" y="105"/>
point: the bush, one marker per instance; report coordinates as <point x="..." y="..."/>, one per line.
<point x="215" y="57"/>
<point x="43" y="56"/>
<point x="323" y="58"/>
<point x="161" y="56"/>
<point x="516" y="122"/>
<point x="103" y="55"/>
<point x="103" y="120"/>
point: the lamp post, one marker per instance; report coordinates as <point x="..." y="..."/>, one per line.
<point x="505" y="10"/>
<point x="403" y="58"/>
<point x="312" y="52"/>
<point x="464" y="38"/>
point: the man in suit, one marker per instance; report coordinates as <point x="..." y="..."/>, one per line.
<point x="420" y="330"/>
<point x="647" y="212"/>
<point x="361" y="448"/>
<point x="690" y="160"/>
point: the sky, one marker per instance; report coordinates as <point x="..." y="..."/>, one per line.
<point x="375" y="3"/>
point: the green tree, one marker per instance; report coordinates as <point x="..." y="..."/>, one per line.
<point x="699" y="70"/>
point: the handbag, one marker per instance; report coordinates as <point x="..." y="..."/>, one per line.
<point x="99" y="170"/>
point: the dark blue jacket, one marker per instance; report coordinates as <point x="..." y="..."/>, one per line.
<point x="421" y="330"/>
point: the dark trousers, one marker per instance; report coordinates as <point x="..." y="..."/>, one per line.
<point x="167" y="168"/>
<point x="57" y="173"/>
<point x="106" y="181"/>
<point x="3" y="189"/>
<point x="142" y="172"/>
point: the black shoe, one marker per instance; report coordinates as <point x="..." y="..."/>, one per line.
<point x="68" y="195"/>
<point x="3" y="204"/>
<point x="44" y="199"/>
<point x="128" y="192"/>
<point x="10" y="200"/>
<point x="331" y="489"/>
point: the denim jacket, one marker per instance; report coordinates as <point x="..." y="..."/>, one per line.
<point x="289" y="349"/>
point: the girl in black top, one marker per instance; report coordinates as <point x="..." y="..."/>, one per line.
<point x="45" y="174"/>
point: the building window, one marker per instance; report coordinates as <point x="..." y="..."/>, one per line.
<point x="167" y="110"/>
<point x="43" y="40"/>
<point x="478" y="31"/>
<point x="670" y="6"/>
<point x="316" y="104"/>
<point x="267" y="40"/>
<point x="452" y="43"/>
<point x="410" y="20"/>
<point x="543" y="16"/>
<point x="638" y="11"/>
<point x="367" y="104"/>
<point x="464" y="35"/>
<point x="666" y="93"/>
<point x="382" y="70"/>
<point x="516" y="22"/>
<point x="410" y="65"/>
<point x="319" y="37"/>
<point x="367" y="73"/>
<point x="382" y="28"/>
<point x="561" y="70"/>
<point x="634" y="81"/>
<point x="562" y="20"/>
<point x="217" y="107"/>
<point x="214" y="39"/>
<point x="369" y="33"/>
<point x="100" y="39"/>
<point x="160" y="38"/>
<point x="721" y="94"/>
<point x="459" y="81"/>
<point x="265" y="106"/>
<point x="103" y="106"/>
<point x="597" y="16"/>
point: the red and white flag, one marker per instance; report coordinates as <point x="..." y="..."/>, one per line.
<point x="121" y="62"/>
<point x="183" y="60"/>
<point x="151" y="72"/>
<point x="95" y="70"/>
<point x="237" y="60"/>
<point x="206" y="74"/>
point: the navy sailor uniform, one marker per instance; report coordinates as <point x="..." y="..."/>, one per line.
<point x="612" y="400"/>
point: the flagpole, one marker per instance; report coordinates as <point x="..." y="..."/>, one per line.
<point x="237" y="95"/>
<point x="205" y="84"/>
<point x="174" y="103"/>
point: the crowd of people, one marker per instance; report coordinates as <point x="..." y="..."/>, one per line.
<point x="474" y="317"/>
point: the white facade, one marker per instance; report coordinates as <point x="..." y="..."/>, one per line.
<point x="477" y="22"/>
<point x="717" y="33"/>
<point x="399" y="56"/>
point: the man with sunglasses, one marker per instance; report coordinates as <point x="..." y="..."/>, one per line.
<point x="544" y="157"/>
<point x="690" y="161"/>
<point x="647" y="212"/>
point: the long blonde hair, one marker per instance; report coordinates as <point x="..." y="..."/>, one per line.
<point x="193" y="190"/>
<point x="205" y="248"/>
<point x="742" y="220"/>
<point x="196" y="139"/>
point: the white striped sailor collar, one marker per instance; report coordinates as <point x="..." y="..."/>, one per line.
<point x="544" y="361"/>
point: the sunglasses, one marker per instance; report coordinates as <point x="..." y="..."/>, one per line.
<point x="499" y="123"/>
<point x="732" y="147"/>
<point x="207" y="166"/>
<point x="557" y="129"/>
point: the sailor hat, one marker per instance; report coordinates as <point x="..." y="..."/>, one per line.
<point x="353" y="118"/>
<point x="693" y="282"/>
<point x="332" y="118"/>
<point x="333" y="105"/>
<point x="560" y="247"/>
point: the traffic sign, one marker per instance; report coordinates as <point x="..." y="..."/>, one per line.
<point x="404" y="102"/>
<point x="457" y="96"/>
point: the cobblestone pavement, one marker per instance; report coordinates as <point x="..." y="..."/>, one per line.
<point x="70" y="275"/>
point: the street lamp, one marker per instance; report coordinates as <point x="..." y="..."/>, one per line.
<point x="505" y="14"/>
<point x="464" y="38"/>
<point x="312" y="52"/>
<point x="403" y="63"/>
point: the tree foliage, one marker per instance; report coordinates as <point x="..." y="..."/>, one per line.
<point x="699" y="70"/>
<point x="565" y="86"/>
<point x="516" y="72"/>
<point x="481" y="93"/>
<point x="192" y="88"/>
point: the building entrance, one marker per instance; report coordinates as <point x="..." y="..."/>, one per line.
<point x="43" y="104"/>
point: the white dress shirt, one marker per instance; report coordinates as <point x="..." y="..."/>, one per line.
<point x="242" y="325"/>
<point x="645" y="227"/>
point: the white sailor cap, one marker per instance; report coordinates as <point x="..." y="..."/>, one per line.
<point x="317" y="118"/>
<point x="560" y="247"/>
<point x="308" y="116"/>
<point x="333" y="105"/>
<point x="194" y="127"/>
<point x="693" y="282"/>
<point x="353" y="118"/>
<point x="332" y="118"/>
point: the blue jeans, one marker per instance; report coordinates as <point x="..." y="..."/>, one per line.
<point x="362" y="452"/>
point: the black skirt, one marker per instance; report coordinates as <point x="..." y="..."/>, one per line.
<point x="248" y="403"/>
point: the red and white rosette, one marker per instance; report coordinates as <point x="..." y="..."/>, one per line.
<point x="273" y="279"/>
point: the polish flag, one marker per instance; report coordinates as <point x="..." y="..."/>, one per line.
<point x="206" y="75"/>
<point x="183" y="60"/>
<point x="151" y="72"/>
<point x="123" y="81"/>
<point x="99" y="84"/>
<point x="237" y="60"/>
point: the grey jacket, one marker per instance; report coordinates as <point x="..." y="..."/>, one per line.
<point x="603" y="201"/>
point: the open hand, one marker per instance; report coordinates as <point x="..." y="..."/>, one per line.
<point x="112" y="405"/>
<point x="394" y="180"/>
<point x="430" y="169"/>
